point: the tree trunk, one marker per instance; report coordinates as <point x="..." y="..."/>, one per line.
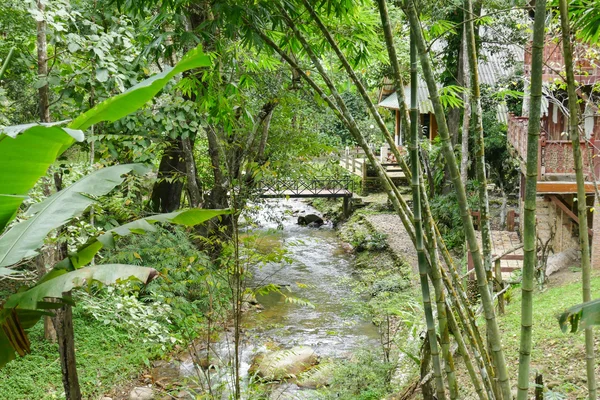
<point x="584" y="242"/>
<point x="42" y="62"/>
<point x="459" y="188"/>
<point x="166" y="193"/>
<point x="44" y="111"/>
<point x="415" y="186"/>
<point x="190" y="171"/>
<point x="63" y="323"/>
<point x="529" y="223"/>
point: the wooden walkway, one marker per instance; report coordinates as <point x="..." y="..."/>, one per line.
<point x="502" y="241"/>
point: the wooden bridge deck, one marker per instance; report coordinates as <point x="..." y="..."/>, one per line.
<point x="304" y="194"/>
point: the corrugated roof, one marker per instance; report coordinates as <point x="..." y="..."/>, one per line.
<point x="491" y="69"/>
<point x="425" y="105"/>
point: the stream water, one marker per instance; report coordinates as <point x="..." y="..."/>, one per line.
<point x="318" y="273"/>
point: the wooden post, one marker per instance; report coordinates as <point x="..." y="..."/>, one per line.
<point x="498" y="272"/>
<point x="364" y="175"/>
<point x="510" y="220"/>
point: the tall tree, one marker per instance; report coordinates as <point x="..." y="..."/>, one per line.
<point x="584" y="241"/>
<point x="415" y="185"/>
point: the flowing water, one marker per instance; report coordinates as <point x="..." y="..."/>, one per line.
<point x="318" y="273"/>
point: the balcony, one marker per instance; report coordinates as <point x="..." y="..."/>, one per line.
<point x="556" y="169"/>
<point x="585" y="59"/>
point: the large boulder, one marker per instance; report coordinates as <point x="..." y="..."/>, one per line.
<point x="565" y="259"/>
<point x="311" y="220"/>
<point x="317" y="377"/>
<point x="284" y="364"/>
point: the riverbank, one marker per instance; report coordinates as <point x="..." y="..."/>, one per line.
<point x="385" y="275"/>
<point x="552" y="349"/>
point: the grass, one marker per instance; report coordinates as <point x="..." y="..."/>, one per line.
<point x="558" y="356"/>
<point x="106" y="358"/>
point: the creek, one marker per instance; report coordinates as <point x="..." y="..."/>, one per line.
<point x="319" y="273"/>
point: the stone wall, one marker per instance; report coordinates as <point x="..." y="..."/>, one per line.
<point x="595" y="245"/>
<point x="551" y="217"/>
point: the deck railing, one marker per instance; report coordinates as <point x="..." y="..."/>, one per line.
<point x="555" y="157"/>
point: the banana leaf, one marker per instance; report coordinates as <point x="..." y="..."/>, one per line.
<point x="580" y="316"/>
<point x="25" y="238"/>
<point x="24" y="309"/>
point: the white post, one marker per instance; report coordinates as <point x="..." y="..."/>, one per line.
<point x="383" y="154"/>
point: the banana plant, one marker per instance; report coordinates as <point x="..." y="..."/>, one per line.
<point x="23" y="310"/>
<point x="581" y="316"/>
<point x="26" y="153"/>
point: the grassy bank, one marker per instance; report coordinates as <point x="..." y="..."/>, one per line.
<point x="107" y="357"/>
<point x="558" y="356"/>
<point x="120" y="330"/>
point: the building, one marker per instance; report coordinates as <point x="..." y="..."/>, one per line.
<point x="557" y="218"/>
<point x="492" y="68"/>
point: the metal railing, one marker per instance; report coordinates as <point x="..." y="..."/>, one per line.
<point x="303" y="187"/>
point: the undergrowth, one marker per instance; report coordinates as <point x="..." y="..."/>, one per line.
<point x="107" y="356"/>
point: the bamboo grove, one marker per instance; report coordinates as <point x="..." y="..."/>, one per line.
<point x="483" y="354"/>
<point x="309" y="37"/>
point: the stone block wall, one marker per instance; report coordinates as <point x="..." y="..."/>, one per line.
<point x="550" y="217"/>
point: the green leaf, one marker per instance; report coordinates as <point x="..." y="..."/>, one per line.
<point x="102" y="74"/>
<point x="26" y="152"/>
<point x="107" y="274"/>
<point x="119" y="106"/>
<point x="29" y="305"/>
<point x="580" y="316"/>
<point x="25" y="238"/>
<point x="86" y="253"/>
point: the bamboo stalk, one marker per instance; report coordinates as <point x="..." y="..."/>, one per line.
<point x="475" y="98"/>
<point x="529" y="223"/>
<point x="494" y="333"/>
<point x="414" y="162"/>
<point x="462" y="348"/>
<point x="581" y="195"/>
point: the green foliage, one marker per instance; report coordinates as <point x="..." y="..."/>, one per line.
<point x="364" y="377"/>
<point x="106" y="358"/>
<point x="503" y="167"/>
<point x="369" y="241"/>
<point x="586" y="17"/>
<point x="119" y="306"/>
<point x="32" y="149"/>
<point x="188" y="277"/>
<point x="446" y="212"/>
<point x="25" y="238"/>
<point x="552" y="348"/>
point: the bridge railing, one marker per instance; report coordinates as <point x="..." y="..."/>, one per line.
<point x="302" y="187"/>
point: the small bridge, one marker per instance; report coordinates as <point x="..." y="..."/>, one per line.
<point x="303" y="188"/>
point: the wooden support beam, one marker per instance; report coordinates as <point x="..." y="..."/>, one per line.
<point x="551" y="187"/>
<point x="567" y="211"/>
